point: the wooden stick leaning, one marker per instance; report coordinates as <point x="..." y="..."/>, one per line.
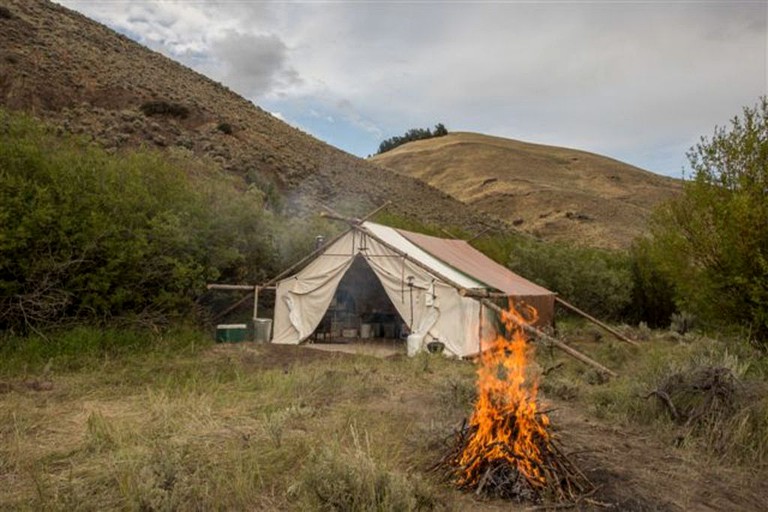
<point x="237" y="304"/>
<point x="305" y="259"/>
<point x="215" y="286"/>
<point x="597" y="322"/>
<point x="553" y="341"/>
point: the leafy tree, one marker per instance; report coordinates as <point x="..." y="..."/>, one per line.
<point x="652" y="300"/>
<point x="712" y="241"/>
<point x="411" y="135"/>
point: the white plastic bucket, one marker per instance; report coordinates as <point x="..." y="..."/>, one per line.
<point x="413" y="344"/>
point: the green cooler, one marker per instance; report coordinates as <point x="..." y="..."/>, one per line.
<point x="231" y="333"/>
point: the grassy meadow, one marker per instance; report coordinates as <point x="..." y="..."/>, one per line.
<point x="175" y="422"/>
<point x="182" y="424"/>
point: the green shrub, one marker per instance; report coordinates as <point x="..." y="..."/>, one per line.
<point x="84" y="346"/>
<point x="164" y="108"/>
<point x="653" y="298"/>
<point x="712" y="240"/>
<point x="225" y="128"/>
<point x="86" y="235"/>
<point x="596" y="280"/>
<point x="412" y="135"/>
<point x="273" y="200"/>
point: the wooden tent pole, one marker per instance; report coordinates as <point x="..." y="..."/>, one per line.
<point x="528" y="328"/>
<point x="377" y="210"/>
<point x="553" y="341"/>
<point x="275" y="279"/>
<point x="215" y="286"/>
<point x="597" y="322"/>
<point x="302" y="261"/>
<point x="481" y="233"/>
<point x="334" y="215"/>
<point x="322" y="247"/>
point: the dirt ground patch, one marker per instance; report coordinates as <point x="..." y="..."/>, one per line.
<point x="638" y="472"/>
<point x="375" y="348"/>
<point x="261" y="356"/>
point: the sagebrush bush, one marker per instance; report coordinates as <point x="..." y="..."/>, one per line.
<point x="708" y="393"/>
<point x="335" y="479"/>
<point x="225" y="128"/>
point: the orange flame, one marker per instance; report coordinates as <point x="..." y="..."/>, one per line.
<point x="506" y="422"/>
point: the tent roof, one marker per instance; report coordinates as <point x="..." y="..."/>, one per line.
<point x="396" y="239"/>
<point x="468" y="260"/>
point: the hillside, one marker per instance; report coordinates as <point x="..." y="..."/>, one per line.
<point x="551" y="192"/>
<point x="84" y="78"/>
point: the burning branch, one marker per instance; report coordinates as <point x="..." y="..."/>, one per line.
<point x="506" y="449"/>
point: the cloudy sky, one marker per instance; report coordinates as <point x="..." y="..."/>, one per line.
<point x="637" y="81"/>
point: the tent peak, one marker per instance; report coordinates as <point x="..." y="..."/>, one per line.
<point x="332" y="214"/>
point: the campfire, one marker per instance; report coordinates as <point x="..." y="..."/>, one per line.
<point x="507" y="450"/>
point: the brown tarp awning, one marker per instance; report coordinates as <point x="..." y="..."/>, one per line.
<point x="468" y="260"/>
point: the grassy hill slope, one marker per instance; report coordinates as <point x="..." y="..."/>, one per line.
<point x="551" y="192"/>
<point x="87" y="79"/>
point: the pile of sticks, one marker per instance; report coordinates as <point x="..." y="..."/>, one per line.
<point x="499" y="472"/>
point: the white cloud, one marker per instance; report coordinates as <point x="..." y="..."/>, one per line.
<point x="638" y="81"/>
<point x="255" y="64"/>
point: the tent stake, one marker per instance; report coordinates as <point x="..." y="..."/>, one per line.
<point x="596" y="322"/>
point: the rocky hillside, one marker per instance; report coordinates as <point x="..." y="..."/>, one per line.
<point x="85" y="78"/>
<point x="551" y="192"/>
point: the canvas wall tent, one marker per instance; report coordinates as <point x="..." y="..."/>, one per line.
<point x="423" y="278"/>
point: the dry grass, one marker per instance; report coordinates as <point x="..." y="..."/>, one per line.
<point x="551" y="192"/>
<point x="226" y="430"/>
<point x="728" y="424"/>
<point x="262" y="427"/>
